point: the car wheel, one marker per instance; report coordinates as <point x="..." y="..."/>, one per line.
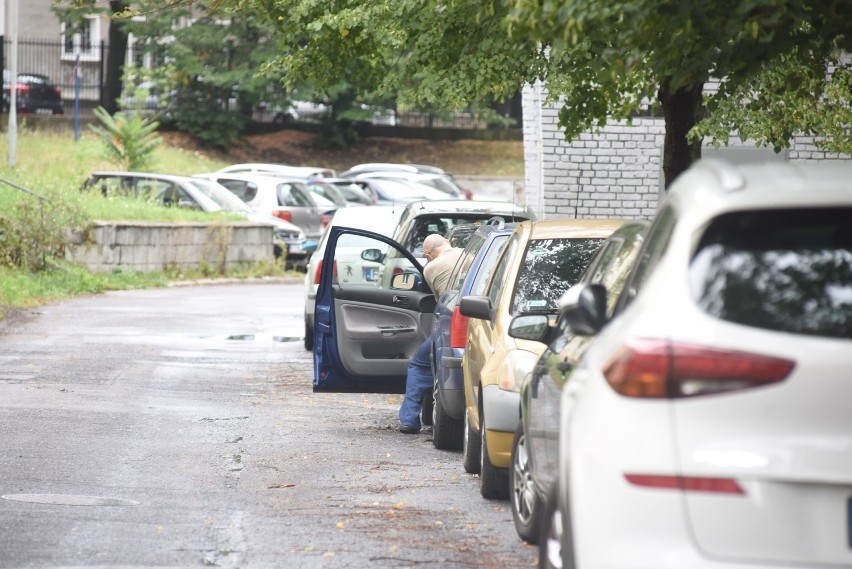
<point x="550" y="542"/>
<point x="493" y="481"/>
<point x="309" y="336"/>
<point x="447" y="432"/>
<point x="470" y="446"/>
<point x="526" y="503"/>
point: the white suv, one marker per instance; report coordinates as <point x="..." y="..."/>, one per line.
<point x="709" y="424"/>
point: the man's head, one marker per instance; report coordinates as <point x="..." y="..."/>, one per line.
<point x="434" y="245"/>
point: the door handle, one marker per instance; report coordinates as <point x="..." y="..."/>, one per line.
<point x="399" y="299"/>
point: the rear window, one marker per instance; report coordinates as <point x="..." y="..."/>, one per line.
<point x="784" y="270"/>
<point x="549" y="267"/>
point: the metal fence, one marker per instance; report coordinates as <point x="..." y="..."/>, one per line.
<point x="60" y="62"/>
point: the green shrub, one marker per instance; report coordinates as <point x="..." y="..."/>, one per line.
<point x="129" y="138"/>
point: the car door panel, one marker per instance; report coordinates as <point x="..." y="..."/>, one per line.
<point x="364" y="336"/>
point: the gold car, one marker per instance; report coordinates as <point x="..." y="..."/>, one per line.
<point x="538" y="263"/>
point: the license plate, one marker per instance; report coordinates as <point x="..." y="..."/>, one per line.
<point x="370" y="275"/>
<point x="43" y="112"/>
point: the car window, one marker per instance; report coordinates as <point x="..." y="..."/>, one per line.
<point x="243" y="189"/>
<point x="656" y="243"/>
<point x="785" y="270"/>
<point x="487" y="264"/>
<point x="463" y="264"/>
<point x="294" y="195"/>
<point x="498" y="280"/>
<point x="549" y="267"/>
<point x="425" y="225"/>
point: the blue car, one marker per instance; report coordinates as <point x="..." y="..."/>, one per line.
<point x="449" y="334"/>
<point x="365" y="332"/>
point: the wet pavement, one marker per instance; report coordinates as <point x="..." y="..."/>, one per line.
<point x="177" y="428"/>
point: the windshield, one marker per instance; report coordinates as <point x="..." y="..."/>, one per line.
<point x="220" y="196"/>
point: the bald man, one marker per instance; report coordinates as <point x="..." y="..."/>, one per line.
<point x="441" y="257"/>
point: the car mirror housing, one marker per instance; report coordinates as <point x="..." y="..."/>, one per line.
<point x="405" y="281"/>
<point x="529" y="327"/>
<point x="477" y="307"/>
<point x="584" y="308"/>
<point x="374" y="255"/>
<point x="309" y="246"/>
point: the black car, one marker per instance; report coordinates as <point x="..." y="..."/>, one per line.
<point x="35" y="94"/>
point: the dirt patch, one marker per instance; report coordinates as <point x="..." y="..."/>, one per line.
<point x="463" y="157"/>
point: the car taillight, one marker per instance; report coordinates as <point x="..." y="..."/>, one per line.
<point x="396" y="271"/>
<point x="23" y="88"/>
<point x="326" y="219"/>
<point x="687" y="483"/>
<point x="57" y="91"/>
<point x="458" y="329"/>
<point x="285" y="215"/>
<point x="317" y="274"/>
<point x="468" y="195"/>
<point x="659" y="369"/>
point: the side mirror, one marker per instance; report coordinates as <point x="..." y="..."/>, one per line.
<point x="584" y="308"/>
<point x="476" y="307"/>
<point x="404" y="281"/>
<point x="374" y="255"/>
<point x="309" y="246"/>
<point x="529" y="327"/>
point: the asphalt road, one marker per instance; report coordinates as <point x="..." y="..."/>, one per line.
<point x="177" y="428"/>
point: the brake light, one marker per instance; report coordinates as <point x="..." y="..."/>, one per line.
<point x="285" y="215"/>
<point x="318" y="272"/>
<point x="326" y="218"/>
<point x="686" y="483"/>
<point x="23" y="88"/>
<point x="458" y="329"/>
<point x="396" y="271"/>
<point x="659" y="369"/>
<point x="57" y="91"/>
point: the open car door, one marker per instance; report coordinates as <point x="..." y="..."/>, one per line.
<point x="365" y="332"/>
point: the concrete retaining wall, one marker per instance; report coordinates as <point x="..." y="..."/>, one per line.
<point x="104" y="246"/>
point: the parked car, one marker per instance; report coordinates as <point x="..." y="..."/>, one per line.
<point x="340" y="191"/>
<point x="538" y="263"/>
<point x="283" y="169"/>
<point x="352" y="190"/>
<point x="34" y="94"/>
<point x="289" y="199"/>
<point x="390" y="166"/>
<point x="350" y="267"/>
<point x="532" y="474"/>
<point x="716" y="398"/>
<point x="422" y="218"/>
<point x="394" y="192"/>
<point x="196" y="193"/>
<point x="449" y="334"/>
<point x="440" y="182"/>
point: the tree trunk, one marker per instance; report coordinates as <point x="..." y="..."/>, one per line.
<point x="682" y="110"/>
<point x="115" y="57"/>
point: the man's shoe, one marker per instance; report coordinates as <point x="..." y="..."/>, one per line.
<point x="408" y="430"/>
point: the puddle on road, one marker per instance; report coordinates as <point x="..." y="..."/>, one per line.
<point x="68" y="500"/>
<point x="262" y="337"/>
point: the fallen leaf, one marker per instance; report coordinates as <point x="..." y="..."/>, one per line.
<point x="328" y="554"/>
<point x="340" y="525"/>
<point x="392" y="548"/>
<point x="283" y="485"/>
<point x="399" y="505"/>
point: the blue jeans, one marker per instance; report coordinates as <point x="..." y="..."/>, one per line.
<point x="418" y="384"/>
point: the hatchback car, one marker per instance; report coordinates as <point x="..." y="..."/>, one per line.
<point x="449" y="334"/>
<point x="283" y="169"/>
<point x="423" y="218"/>
<point x="196" y="193"/>
<point x="349" y="265"/>
<point x="708" y="424"/>
<point x="34" y="94"/>
<point x="285" y="198"/>
<point x="440" y="182"/>
<point x="532" y="475"/>
<point x="538" y="263"/>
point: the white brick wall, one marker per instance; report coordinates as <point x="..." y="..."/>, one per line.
<point x="616" y="173"/>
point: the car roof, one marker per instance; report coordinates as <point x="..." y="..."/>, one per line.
<point x="149" y="175"/>
<point x="262" y="177"/>
<point x="570" y="228"/>
<point x="463" y="206"/>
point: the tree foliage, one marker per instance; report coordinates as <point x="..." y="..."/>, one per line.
<point x="129" y="139"/>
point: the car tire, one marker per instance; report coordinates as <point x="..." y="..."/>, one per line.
<point x="527" y="506"/>
<point x="447" y="432"/>
<point x="550" y="540"/>
<point x="471" y="443"/>
<point x="493" y="481"/>
<point x="309" y="336"/>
